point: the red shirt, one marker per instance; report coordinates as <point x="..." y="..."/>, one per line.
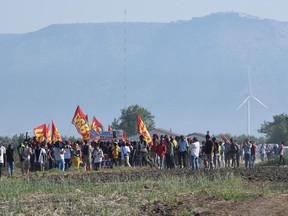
<point x="161" y="150"/>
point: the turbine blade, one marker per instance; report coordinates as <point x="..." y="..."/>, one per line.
<point x="243" y="102"/>
<point x="259" y="101"/>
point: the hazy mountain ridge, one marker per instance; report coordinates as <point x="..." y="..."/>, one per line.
<point x="194" y="71"/>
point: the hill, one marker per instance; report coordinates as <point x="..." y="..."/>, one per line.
<point x="192" y="75"/>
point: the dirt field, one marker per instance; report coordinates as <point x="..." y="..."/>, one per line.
<point x="275" y="204"/>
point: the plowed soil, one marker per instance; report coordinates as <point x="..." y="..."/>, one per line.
<point x="276" y="204"/>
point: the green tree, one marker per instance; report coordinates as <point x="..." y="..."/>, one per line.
<point x="277" y="130"/>
<point x="128" y="119"/>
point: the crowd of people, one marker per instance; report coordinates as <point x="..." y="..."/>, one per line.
<point x="165" y="152"/>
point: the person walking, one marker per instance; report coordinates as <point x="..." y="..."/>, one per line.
<point x="143" y="152"/>
<point x="161" y="151"/>
<point x="195" y="151"/>
<point x="2" y="158"/>
<point x="209" y="149"/>
<point x="247" y="153"/>
<point x="10" y="160"/>
<point x="281" y="154"/>
<point x="183" y="147"/>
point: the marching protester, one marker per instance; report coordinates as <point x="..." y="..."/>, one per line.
<point x="262" y="152"/>
<point x="247" y="153"/>
<point x="169" y="155"/>
<point x="226" y="147"/>
<point x="97" y="155"/>
<point x="25" y="153"/>
<point x="209" y="149"/>
<point x="87" y="155"/>
<point x="155" y="143"/>
<point x="233" y="152"/>
<point x="217" y="150"/>
<point x="161" y="151"/>
<point x="253" y="153"/>
<point x="59" y="155"/>
<point x="143" y="152"/>
<point x="68" y="155"/>
<point x="2" y="158"/>
<point x="195" y="150"/>
<point x="114" y="154"/>
<point x="76" y="155"/>
<point x="182" y="151"/>
<point x="281" y="154"/>
<point x="40" y="157"/>
<point x="9" y="160"/>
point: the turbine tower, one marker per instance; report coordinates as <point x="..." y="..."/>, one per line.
<point x="247" y="100"/>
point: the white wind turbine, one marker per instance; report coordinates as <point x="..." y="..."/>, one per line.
<point x="247" y="100"/>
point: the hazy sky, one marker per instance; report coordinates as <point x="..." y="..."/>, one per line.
<point x="20" y="16"/>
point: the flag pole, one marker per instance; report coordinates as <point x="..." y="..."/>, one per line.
<point x="69" y="129"/>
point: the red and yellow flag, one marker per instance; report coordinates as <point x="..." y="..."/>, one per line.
<point x="143" y="131"/>
<point x="48" y="134"/>
<point x="124" y="137"/>
<point x="81" y="123"/>
<point x="96" y="125"/>
<point x="110" y="128"/>
<point x="55" y="133"/>
<point x="225" y="139"/>
<point x="40" y="133"/>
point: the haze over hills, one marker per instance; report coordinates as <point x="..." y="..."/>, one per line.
<point x="192" y="75"/>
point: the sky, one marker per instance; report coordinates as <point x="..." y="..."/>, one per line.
<point x="21" y="16"/>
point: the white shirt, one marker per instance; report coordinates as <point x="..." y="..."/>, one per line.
<point x="41" y="155"/>
<point x="262" y="149"/>
<point x="98" y="155"/>
<point x="195" y="149"/>
<point x="2" y="152"/>
<point x="125" y="150"/>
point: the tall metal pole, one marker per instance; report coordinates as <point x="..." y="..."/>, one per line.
<point x="125" y="60"/>
<point x="248" y="117"/>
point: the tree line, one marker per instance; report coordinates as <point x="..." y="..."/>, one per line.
<point x="275" y="131"/>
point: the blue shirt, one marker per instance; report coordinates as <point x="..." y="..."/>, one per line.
<point x="247" y="148"/>
<point x="183" y="145"/>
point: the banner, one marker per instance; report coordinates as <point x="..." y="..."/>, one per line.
<point x="93" y="134"/>
<point x="143" y="131"/>
<point x="40" y="133"/>
<point x="55" y="133"/>
<point x="118" y="134"/>
<point x="81" y="123"/>
<point x="106" y="136"/>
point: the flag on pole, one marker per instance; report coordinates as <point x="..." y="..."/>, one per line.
<point x="225" y="139"/>
<point x="124" y="137"/>
<point x="110" y="128"/>
<point x="40" y="132"/>
<point x="80" y="121"/>
<point x="55" y="133"/>
<point x="48" y="134"/>
<point x="96" y="125"/>
<point x="143" y="131"/>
